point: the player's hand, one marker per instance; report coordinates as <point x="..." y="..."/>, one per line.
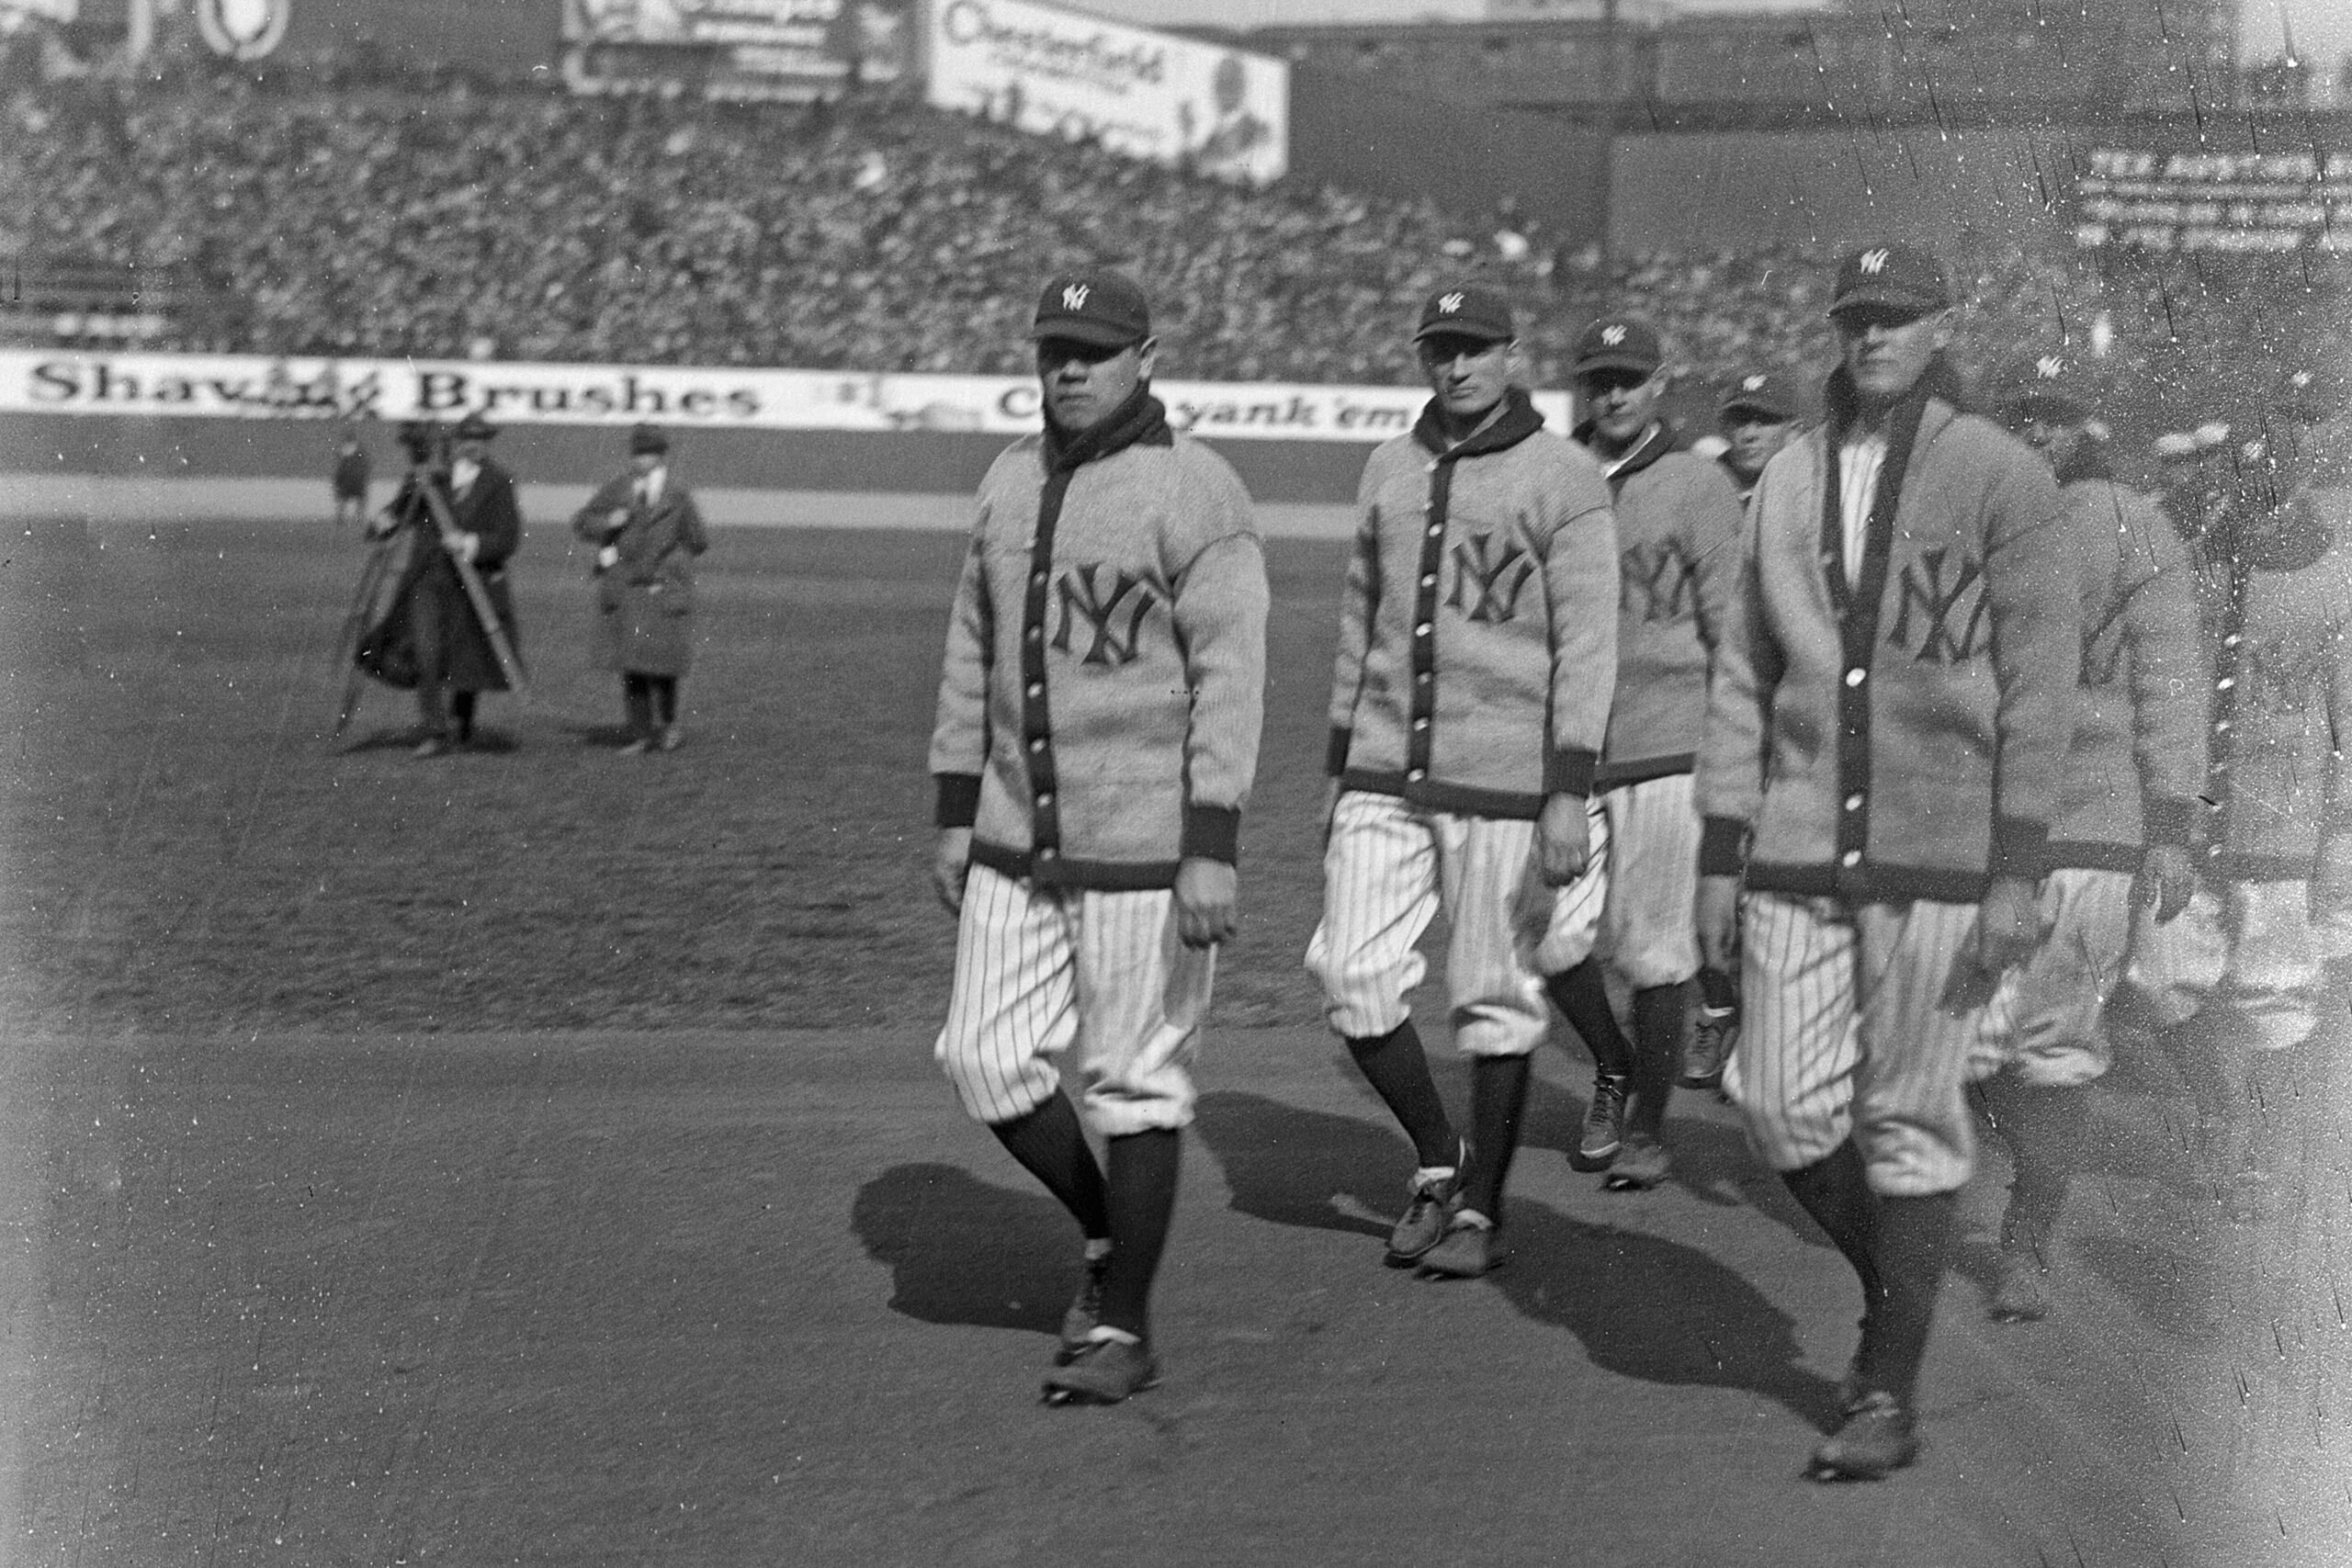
<point x="1207" y="901"/>
<point x="1716" y="912"/>
<point x="2167" y="878"/>
<point x="951" y="862"/>
<point x="1562" y="841"/>
<point x="2008" y="924"/>
<point x="465" y="546"/>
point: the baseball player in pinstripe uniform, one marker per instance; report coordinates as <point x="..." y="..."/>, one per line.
<point x="1477" y="648"/>
<point x="2239" y="980"/>
<point x="1097" y="735"/>
<point x="2125" y="820"/>
<point x="1678" y="535"/>
<point x="1887" y="726"/>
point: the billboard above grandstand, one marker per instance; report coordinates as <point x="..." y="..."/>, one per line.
<point x="14" y="13"/>
<point x="776" y="51"/>
<point x="1222" y="112"/>
<point x="2210" y="202"/>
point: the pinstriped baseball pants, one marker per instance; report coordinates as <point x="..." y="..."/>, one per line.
<point x="2046" y="1022"/>
<point x="1390" y="867"/>
<point x="1040" y="970"/>
<point x="1860" y="1019"/>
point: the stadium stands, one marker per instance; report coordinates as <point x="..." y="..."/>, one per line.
<point x="882" y="236"/>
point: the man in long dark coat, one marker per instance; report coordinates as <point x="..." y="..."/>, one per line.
<point x="647" y="532"/>
<point x="448" y="650"/>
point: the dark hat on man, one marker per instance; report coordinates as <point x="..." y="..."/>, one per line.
<point x="473" y="427"/>
<point x="2051" y="382"/>
<point x="1760" y="392"/>
<point x="1619" y="342"/>
<point x="1466" y="310"/>
<point x="1890" y="276"/>
<point x="647" y="438"/>
<point x="1104" y="308"/>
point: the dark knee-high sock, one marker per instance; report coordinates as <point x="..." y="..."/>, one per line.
<point x="1837" y="1192"/>
<point x="1582" y="997"/>
<point x="1399" y="1071"/>
<point x="1659" y="1015"/>
<point x="1914" y="1235"/>
<point x="1143" y="1200"/>
<point x="1718" y="989"/>
<point x="665" y="699"/>
<point x="2046" y="1130"/>
<point x="1051" y="1147"/>
<point x="1497" y="1096"/>
<point x="461" y="708"/>
<point x="636" y="699"/>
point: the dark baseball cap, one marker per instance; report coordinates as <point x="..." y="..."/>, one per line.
<point x="1466" y="310"/>
<point x="1619" y="342"/>
<point x="1106" y="308"/>
<point x="1891" y="276"/>
<point x="1759" y="391"/>
<point x="2052" y="381"/>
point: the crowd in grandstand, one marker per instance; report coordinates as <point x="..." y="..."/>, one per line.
<point x="316" y="219"/>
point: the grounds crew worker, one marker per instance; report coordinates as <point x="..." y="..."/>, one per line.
<point x="1097" y="735"/>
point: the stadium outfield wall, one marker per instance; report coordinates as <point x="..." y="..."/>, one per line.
<point x="77" y="428"/>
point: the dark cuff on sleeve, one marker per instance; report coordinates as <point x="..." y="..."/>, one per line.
<point x="2169" y="820"/>
<point x="1335" y="751"/>
<point x="1723" y="846"/>
<point x="2021" y="848"/>
<point x="1213" y="832"/>
<point x="959" y="800"/>
<point x="1570" y="772"/>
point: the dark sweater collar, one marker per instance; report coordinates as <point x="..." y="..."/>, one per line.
<point x="1844" y="404"/>
<point x="1517" y="421"/>
<point x="1141" y="421"/>
<point x="1660" y="438"/>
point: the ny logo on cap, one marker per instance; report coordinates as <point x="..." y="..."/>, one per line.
<point x="1752" y="384"/>
<point x="1448" y="303"/>
<point x="1074" y="297"/>
<point x="1613" y="335"/>
<point x="1872" y="262"/>
<point x="2049" y="367"/>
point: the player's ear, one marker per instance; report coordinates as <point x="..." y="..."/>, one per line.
<point x="1947" y="323"/>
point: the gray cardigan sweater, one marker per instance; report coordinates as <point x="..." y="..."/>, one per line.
<point x="1478" y="634"/>
<point x="1103" y="684"/>
<point x="1904" y="737"/>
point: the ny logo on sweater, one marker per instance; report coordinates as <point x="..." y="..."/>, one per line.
<point x="1114" y="616"/>
<point x="1657" y="582"/>
<point x="1951" y="627"/>
<point x="1487" y="585"/>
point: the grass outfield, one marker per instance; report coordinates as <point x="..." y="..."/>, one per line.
<point x="532" y="1155"/>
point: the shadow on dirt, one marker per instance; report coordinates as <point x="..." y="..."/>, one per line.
<point x="1305" y="1168"/>
<point x="962" y="1251"/>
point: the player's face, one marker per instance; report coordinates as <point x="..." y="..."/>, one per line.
<point x="2054" y="433"/>
<point x="472" y="450"/>
<point x="1085" y="382"/>
<point x="1469" y="375"/>
<point x="1753" y="437"/>
<point x="1624" y="402"/>
<point x="1887" y="350"/>
<point x="644" y="463"/>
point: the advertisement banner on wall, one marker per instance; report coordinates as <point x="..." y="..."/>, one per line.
<point x="256" y="387"/>
<point x="2139" y="199"/>
<point x="782" y="50"/>
<point x="14" y="13"/>
<point x="1223" y="112"/>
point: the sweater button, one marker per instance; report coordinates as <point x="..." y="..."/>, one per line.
<point x="1430" y="581"/>
<point x="1422" y="630"/>
<point x="2225" y="683"/>
<point x="1853" y="803"/>
<point x="1435" y="529"/>
<point x="1037" y="745"/>
<point x="1045" y="853"/>
<point x="1036" y="688"/>
<point x="1855" y="677"/>
<point x="1417" y="774"/>
<point x="1420" y="724"/>
<point x="1851" y="858"/>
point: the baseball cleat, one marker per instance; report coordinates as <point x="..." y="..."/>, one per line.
<point x="2022" y="1294"/>
<point x="1468" y="1249"/>
<point x="1422" y="1226"/>
<point x="1106" y="1371"/>
<point x="1085" y="1312"/>
<point x="1603" y="1132"/>
<point x="1640" y="1164"/>
<point x="1715" y="1032"/>
<point x="1877" y="1439"/>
